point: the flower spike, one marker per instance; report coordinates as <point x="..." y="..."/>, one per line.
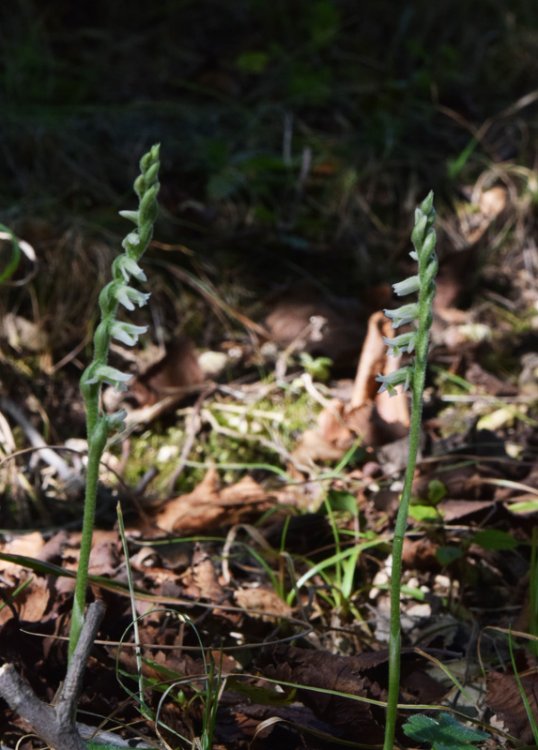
<point x="411" y="376"/>
<point x="98" y="424"/>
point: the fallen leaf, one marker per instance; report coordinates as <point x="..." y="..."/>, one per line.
<point x="257" y="600"/>
<point x="504" y="698"/>
<point x="321" y="669"/>
<point x="289" y="322"/>
<point x="207" y="507"/>
<point x="477" y="215"/>
<point x="29" y="545"/>
<point x="173" y="375"/>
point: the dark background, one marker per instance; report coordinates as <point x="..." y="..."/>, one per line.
<point x="297" y="135"/>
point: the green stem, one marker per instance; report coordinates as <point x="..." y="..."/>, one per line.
<point x="96" y="446"/>
<point x="396" y="574"/>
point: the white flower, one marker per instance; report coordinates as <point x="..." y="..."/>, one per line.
<point x="130" y="216"/>
<point x="407" y="286"/>
<point x="127" y="333"/>
<point x="129" y="267"/>
<point x="108" y="374"/>
<point x="131" y="241"/>
<point x="403" y="343"/>
<point x="129" y="297"/>
<point x="398" y="377"/>
<point x="403" y="315"/>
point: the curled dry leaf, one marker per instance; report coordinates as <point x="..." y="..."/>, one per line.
<point x="262" y="603"/>
<point x="291" y="317"/>
<point x="375" y="417"/>
<point x="175" y="373"/>
<point x="31" y="604"/>
<point x="504" y="698"/>
<point x="204" y="576"/>
<point x="321" y="669"/>
<point x="207" y="507"/>
<point x="29" y="545"/>
<point x="476" y="216"/>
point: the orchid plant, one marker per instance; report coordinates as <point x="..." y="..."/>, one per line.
<point x="99" y="425"/>
<point x="412" y="377"/>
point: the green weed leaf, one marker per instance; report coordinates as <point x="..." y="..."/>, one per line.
<point x="448" y="554"/>
<point x="436" y="491"/>
<point x="442" y="733"/>
<point x="495" y="539"/>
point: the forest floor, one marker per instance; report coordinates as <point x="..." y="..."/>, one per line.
<point x="259" y="492"/>
<point x="260" y="471"/>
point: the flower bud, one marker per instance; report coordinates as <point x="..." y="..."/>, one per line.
<point x="399" y="344"/>
<point x="398" y="377"/>
<point x="403" y="315"/>
<point x="108" y="374"/>
<point x="407" y="286"/>
<point x="129" y="297"/>
<point x="127" y="333"/>
<point x="130" y="216"/>
<point x="128" y="267"/>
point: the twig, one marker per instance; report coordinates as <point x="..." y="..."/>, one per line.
<point x="47" y="454"/>
<point x="55" y="724"/>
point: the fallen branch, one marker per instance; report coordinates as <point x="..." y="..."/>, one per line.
<point x="55" y="724"/>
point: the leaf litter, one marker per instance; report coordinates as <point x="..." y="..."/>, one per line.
<point x="241" y="591"/>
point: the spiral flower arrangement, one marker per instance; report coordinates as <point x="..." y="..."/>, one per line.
<point x="117" y="293"/>
<point x="418" y="313"/>
<point x="411" y="376"/>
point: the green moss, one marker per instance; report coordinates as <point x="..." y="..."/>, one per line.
<point x="233" y="436"/>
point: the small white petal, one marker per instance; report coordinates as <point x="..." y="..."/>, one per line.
<point x="131" y="241"/>
<point x="398" y="377"/>
<point x="403" y="343"/>
<point x="407" y="286"/>
<point x="128" y="297"/>
<point x="130" y="215"/>
<point x="108" y="374"/>
<point x="127" y="333"/>
<point x="129" y="267"/>
<point x="403" y="315"/>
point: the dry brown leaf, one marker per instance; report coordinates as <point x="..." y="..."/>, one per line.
<point x="206" y="507"/>
<point x="29" y="545"/>
<point x="259" y="600"/>
<point x="420" y="554"/>
<point x="177" y="371"/>
<point x="375" y="417"/>
<point x="290" y="321"/>
<point x="484" y="207"/>
<point x="105" y="555"/>
<point x="321" y="669"/>
<point x="34" y="601"/>
<point x="455" y="510"/>
<point x="504" y="698"/>
<point x="204" y="576"/>
<point x="365" y="675"/>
